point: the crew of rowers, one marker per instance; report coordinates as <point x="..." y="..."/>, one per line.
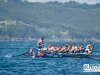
<point x="68" y="48"/>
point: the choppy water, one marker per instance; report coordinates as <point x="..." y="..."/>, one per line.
<point x="41" y="66"/>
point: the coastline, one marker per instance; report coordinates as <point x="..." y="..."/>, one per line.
<point x="53" y="39"/>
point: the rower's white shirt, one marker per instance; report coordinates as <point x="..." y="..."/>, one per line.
<point x="44" y="48"/>
<point x="89" y="47"/>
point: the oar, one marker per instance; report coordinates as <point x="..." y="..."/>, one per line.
<point x="23" y="54"/>
<point x="92" y="48"/>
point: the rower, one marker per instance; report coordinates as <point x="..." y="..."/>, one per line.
<point x="89" y="48"/>
<point x="74" y="48"/>
<point x="40" y="43"/>
<point x="81" y="48"/>
<point x="44" y="48"/>
<point x="34" y="52"/>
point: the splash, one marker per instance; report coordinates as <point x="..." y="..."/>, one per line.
<point x="8" y="56"/>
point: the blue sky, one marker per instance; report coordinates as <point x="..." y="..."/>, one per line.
<point x="80" y="1"/>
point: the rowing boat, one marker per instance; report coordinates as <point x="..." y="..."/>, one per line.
<point x="45" y="54"/>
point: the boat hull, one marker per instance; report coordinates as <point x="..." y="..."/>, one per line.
<point x="45" y="54"/>
<point x="63" y="55"/>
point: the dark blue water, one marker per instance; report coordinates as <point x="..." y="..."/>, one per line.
<point x="41" y="66"/>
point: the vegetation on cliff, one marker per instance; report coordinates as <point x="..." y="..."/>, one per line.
<point x="23" y="19"/>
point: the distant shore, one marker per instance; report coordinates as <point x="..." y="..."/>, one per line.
<point x="53" y="39"/>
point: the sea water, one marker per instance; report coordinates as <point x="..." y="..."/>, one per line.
<point x="42" y="66"/>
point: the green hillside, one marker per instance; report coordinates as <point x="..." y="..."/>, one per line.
<point x="70" y="20"/>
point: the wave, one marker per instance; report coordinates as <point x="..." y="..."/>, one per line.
<point x="8" y="56"/>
